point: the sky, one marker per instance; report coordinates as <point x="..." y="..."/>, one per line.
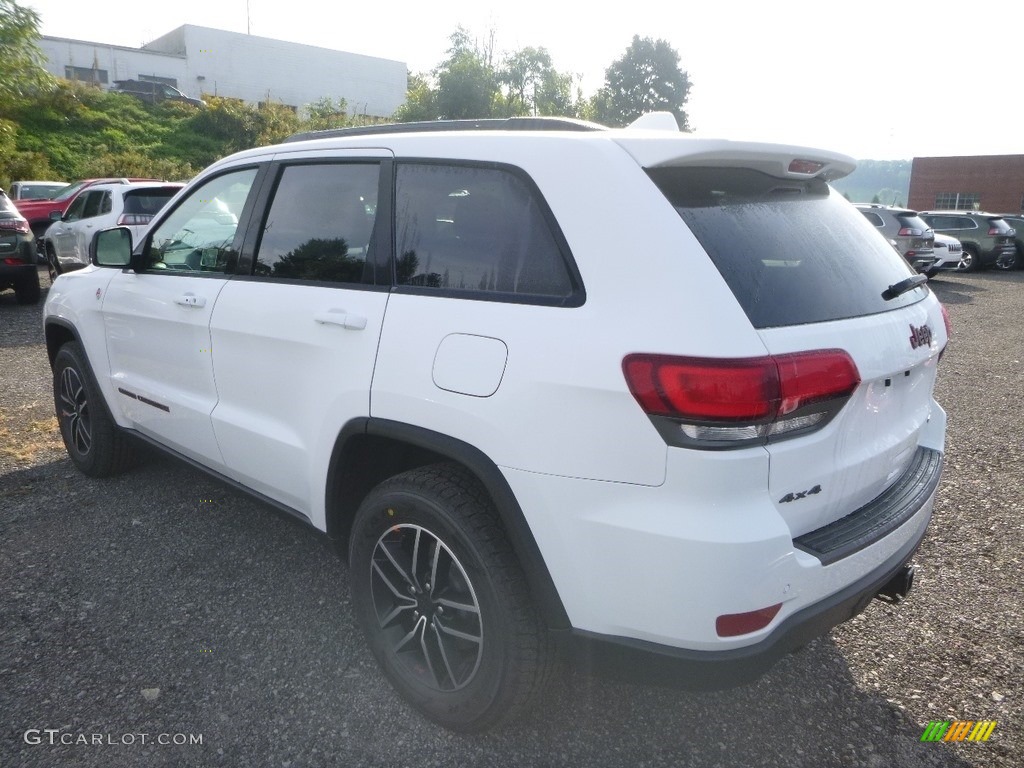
<point x="875" y="80"/>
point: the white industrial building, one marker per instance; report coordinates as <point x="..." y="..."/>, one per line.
<point x="200" y="60"/>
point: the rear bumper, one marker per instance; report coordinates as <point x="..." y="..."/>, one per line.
<point x="653" y="663"/>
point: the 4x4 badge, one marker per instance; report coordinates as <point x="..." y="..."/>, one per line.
<point x="920" y="337"/>
<point x="799" y="495"/>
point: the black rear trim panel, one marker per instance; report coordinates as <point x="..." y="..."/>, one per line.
<point x="878" y="518"/>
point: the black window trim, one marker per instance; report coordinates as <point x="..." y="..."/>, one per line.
<point x="578" y="295"/>
<point x="261" y="208"/>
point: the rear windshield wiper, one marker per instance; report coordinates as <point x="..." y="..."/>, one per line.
<point x="898" y="289"/>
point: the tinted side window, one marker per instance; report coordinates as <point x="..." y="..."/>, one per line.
<point x="200" y="234"/>
<point x="479" y="230"/>
<point x="76" y="209"/>
<point x="320" y="224"/>
<point x="874" y="218"/>
<point x="93" y="201"/>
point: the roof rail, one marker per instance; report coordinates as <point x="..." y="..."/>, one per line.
<point x="429" y="126"/>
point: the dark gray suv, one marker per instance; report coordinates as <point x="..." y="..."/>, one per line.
<point x="1016" y="220"/>
<point x="987" y="238"/>
<point x="912" y="236"/>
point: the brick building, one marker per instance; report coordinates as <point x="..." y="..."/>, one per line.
<point x="981" y="182"/>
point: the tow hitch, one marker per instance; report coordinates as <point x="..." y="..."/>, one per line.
<point x="894" y="590"/>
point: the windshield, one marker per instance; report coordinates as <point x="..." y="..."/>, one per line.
<point x="792" y="251"/>
<point x="69" y="191"/>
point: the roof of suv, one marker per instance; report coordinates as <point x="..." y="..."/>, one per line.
<point x="895" y="210"/>
<point x="653" y="140"/>
<point x="434" y="126"/>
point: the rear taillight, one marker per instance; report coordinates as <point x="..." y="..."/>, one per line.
<point x="911" y="232"/>
<point x="134" y="219"/>
<point x="14" y="225"/>
<point x="992" y="231"/>
<point x="725" y="403"/>
<point x="10" y="261"/>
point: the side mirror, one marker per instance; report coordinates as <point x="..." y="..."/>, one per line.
<point x="56" y="216"/>
<point x="111" y="247"/>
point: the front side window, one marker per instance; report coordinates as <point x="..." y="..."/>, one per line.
<point x="478" y="230"/>
<point x="93" y="204"/>
<point x="201" y="233"/>
<point x="76" y="210"/>
<point x="319" y="227"/>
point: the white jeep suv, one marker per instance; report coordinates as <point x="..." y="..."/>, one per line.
<point x="666" y="400"/>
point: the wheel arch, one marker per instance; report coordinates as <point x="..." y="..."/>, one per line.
<point x="368" y="451"/>
<point x="58" y="333"/>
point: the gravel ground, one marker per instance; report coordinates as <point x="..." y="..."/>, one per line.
<point x="163" y="603"/>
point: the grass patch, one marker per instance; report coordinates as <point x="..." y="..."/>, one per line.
<point x="24" y="436"/>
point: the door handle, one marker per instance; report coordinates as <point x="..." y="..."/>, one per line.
<point x="342" y="318"/>
<point x="191" y="300"/>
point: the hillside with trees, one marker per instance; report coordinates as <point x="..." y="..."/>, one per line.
<point x="877" y="181"/>
<point x="54" y="128"/>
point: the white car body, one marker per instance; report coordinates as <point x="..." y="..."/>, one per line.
<point x="948" y="252"/>
<point x="643" y="542"/>
<point x="66" y="241"/>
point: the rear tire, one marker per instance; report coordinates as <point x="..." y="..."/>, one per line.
<point x="1007" y="263"/>
<point x="443" y="601"/>
<point x="95" y="444"/>
<point x="27" y="290"/>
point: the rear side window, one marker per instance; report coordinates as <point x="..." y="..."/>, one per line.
<point x="476" y="230"/>
<point x="792" y="251"/>
<point x="874" y="218"/>
<point x="320" y="224"/>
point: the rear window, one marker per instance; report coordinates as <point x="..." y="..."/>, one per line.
<point x="913" y="221"/>
<point x="148" y="201"/>
<point x="792" y="251"/>
<point x="1001" y="225"/>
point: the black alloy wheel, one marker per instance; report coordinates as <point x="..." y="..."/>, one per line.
<point x="443" y="601"/>
<point x="95" y="444"/>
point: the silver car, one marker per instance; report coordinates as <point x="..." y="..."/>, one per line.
<point x="66" y="241"/>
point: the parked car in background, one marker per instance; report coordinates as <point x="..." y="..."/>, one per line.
<point x="987" y="238"/>
<point x="38" y="211"/>
<point x="912" y="236"/>
<point x="1016" y="220"/>
<point x="153" y="93"/>
<point x="948" y="253"/>
<point x="684" y="462"/>
<point x="36" y="190"/>
<point x="66" y="242"/>
<point x="17" y="254"/>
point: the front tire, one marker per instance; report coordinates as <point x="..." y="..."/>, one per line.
<point x="95" y="444"/>
<point x="443" y="601"/>
<point x="52" y="265"/>
<point x="969" y="259"/>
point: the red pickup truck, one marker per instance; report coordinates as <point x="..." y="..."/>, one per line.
<point x="38" y="211"/>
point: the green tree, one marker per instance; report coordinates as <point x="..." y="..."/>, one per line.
<point x="420" y="100"/>
<point x="327" y="113"/>
<point x="646" y="79"/>
<point x="21" y="61"/>
<point x="532" y="85"/>
<point x="467" y="86"/>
